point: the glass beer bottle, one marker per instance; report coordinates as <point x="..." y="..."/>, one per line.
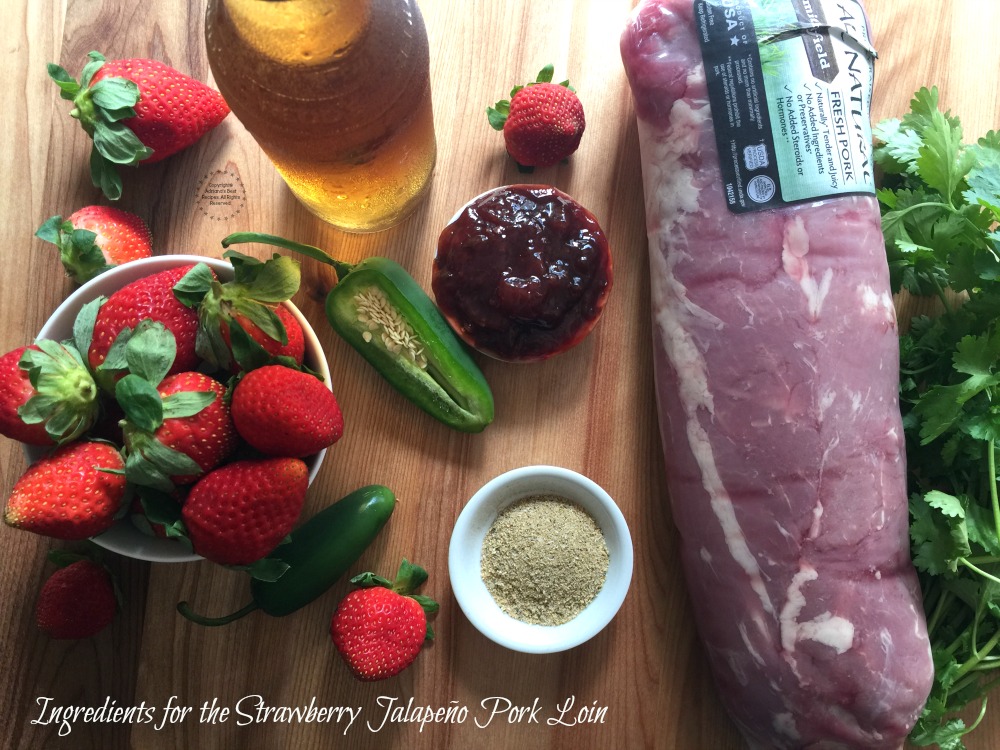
<point x="337" y="94"/>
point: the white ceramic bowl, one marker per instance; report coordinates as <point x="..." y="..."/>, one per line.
<point x="465" y="553"/>
<point x="123" y="537"/>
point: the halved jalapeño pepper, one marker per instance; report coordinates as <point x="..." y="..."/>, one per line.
<point x="381" y="311"/>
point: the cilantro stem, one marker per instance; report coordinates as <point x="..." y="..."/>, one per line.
<point x="930" y="204"/>
<point x="978" y="656"/>
<point x="942" y="295"/>
<point x="934" y="619"/>
<point x="987" y="664"/>
<point x="983" y="559"/>
<point x="982" y="713"/>
<point x="994" y="500"/>
<point x="965" y="561"/>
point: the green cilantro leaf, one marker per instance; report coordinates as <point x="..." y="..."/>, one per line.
<point x="984" y="176"/>
<point x="899" y="147"/>
<point x="938" y="532"/>
<point x="943" y="162"/>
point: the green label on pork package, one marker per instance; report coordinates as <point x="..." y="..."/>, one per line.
<point x="789" y="84"/>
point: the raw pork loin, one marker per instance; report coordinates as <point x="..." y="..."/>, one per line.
<point x="776" y="363"/>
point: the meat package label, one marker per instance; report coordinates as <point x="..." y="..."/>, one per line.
<point x="789" y="85"/>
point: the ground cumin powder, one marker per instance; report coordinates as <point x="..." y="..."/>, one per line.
<point x="544" y="560"/>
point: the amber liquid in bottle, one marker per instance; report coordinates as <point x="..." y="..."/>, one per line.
<point x="337" y="94"/>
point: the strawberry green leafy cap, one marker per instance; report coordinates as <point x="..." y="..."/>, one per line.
<point x="79" y="252"/>
<point x="409" y="578"/>
<point x="101" y="108"/>
<point x="257" y="288"/>
<point x="65" y="399"/>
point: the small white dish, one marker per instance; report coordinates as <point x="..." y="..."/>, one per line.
<point x="123" y="538"/>
<point x="465" y="557"/>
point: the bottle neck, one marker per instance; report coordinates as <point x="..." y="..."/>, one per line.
<point x="299" y="32"/>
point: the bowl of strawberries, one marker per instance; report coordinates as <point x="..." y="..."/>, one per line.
<point x="173" y="408"/>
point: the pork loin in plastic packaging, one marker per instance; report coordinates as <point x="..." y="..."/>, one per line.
<point x="776" y="358"/>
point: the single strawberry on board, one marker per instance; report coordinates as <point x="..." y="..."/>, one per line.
<point x="542" y="122"/>
<point x="96" y="238"/>
<point x="152" y="298"/>
<point x="379" y="629"/>
<point x="175" y="430"/>
<point x="78" y="600"/>
<point x="282" y="411"/>
<point x="74" y="493"/>
<point x="136" y="110"/>
<point x="238" y="513"/>
<point x="243" y="323"/>
<point x="47" y="394"/>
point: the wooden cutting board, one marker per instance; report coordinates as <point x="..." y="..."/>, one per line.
<point x="590" y="409"/>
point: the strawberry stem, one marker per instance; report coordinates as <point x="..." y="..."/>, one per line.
<point x="83" y="110"/>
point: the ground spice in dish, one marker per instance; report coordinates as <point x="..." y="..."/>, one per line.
<point x="544" y="560"/>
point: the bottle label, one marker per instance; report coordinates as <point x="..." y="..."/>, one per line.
<point x="790" y="85"/>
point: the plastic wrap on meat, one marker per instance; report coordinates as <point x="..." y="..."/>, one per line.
<point x="776" y="365"/>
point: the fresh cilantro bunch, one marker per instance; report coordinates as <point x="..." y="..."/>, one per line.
<point x="940" y="202"/>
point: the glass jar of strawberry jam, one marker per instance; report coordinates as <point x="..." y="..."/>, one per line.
<point x="522" y="272"/>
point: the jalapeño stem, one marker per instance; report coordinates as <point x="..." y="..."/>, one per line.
<point x="185" y="609"/>
<point x="310" y="251"/>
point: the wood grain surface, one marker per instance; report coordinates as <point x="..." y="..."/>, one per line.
<point x="590" y="409"/>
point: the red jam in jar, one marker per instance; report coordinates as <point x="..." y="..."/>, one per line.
<point x="522" y="272"/>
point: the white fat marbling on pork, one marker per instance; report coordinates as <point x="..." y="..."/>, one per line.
<point x="751" y="649"/>
<point x="776" y="381"/>
<point x="877" y="302"/>
<point x="677" y="195"/>
<point x="795" y="601"/>
<point x="673" y="308"/>
<point x="784" y="725"/>
<point x="794" y="250"/>
<point x="831" y="630"/>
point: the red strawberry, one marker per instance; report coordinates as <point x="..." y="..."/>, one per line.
<point x="238" y="513"/>
<point x="281" y="411"/>
<point x="77" y="601"/>
<point x="47" y="395"/>
<point x="542" y="122"/>
<point x="137" y="110"/>
<point x="73" y="494"/>
<point x="380" y="628"/>
<point x="150" y="298"/>
<point x="250" y="303"/>
<point x="15" y="390"/>
<point x="189" y="434"/>
<point x="294" y="348"/>
<point x="96" y="238"/>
